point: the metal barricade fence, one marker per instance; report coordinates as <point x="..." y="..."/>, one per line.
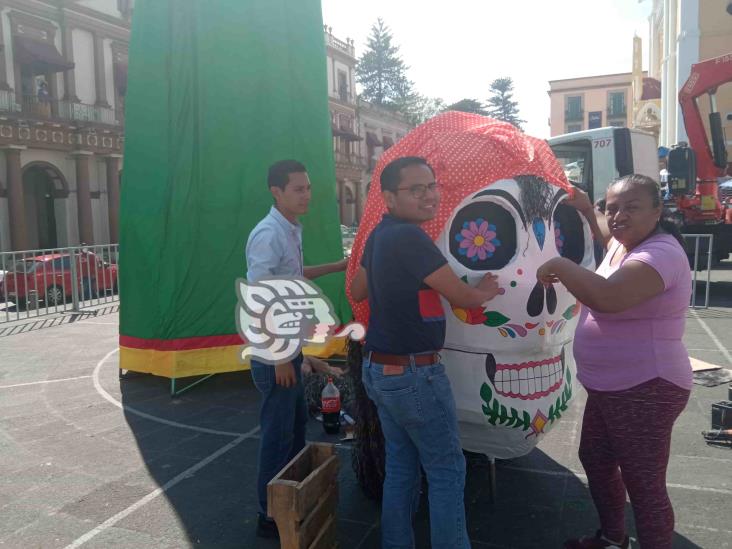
<point x="695" y="267"/>
<point x="36" y="283"/>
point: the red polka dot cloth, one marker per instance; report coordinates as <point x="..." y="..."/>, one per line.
<point x="467" y="153"/>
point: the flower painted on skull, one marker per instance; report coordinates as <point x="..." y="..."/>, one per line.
<point x="558" y="236"/>
<point x="473" y="316"/>
<point x="478" y="239"/>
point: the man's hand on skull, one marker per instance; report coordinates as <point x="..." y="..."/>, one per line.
<point x="285" y="375"/>
<point x="489" y="285"/>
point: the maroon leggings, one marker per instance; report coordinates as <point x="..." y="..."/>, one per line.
<point x="626" y="440"/>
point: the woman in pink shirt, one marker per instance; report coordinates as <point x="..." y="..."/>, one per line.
<point x="631" y="359"/>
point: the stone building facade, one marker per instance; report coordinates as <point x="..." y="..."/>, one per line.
<point x="63" y="79"/>
<point x="361" y="131"/>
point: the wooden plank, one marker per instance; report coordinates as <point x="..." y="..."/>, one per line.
<point x="314" y="486"/>
<point x="281" y="497"/>
<point x="312" y="525"/>
<point x="308" y="459"/>
<point x="300" y="466"/>
<point x="321" y="452"/>
<point x="327" y="536"/>
<point x="279" y="476"/>
<point x="303" y="497"/>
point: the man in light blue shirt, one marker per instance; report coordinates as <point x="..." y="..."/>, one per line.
<point x="274" y="248"/>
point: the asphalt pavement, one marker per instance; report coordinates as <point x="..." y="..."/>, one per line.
<point x="87" y="460"/>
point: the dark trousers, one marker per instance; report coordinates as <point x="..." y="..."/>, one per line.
<point x="625" y="445"/>
<point x="282" y="420"/>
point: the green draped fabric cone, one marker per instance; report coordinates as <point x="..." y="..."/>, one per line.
<point x="218" y="90"/>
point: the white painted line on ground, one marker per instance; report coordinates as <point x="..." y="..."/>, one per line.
<point x="110" y="398"/>
<point x="99" y="323"/>
<point x="705" y="528"/>
<point x="705" y="350"/>
<point x="713" y="337"/>
<point x="582" y="476"/>
<point x="155" y="493"/>
<point x="721" y="460"/>
<point x="43" y="382"/>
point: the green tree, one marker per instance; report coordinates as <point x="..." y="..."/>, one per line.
<point x="418" y="108"/>
<point x="501" y="104"/>
<point x="382" y="73"/>
<point x="428" y="107"/>
<point x="407" y="101"/>
<point x="468" y="105"/>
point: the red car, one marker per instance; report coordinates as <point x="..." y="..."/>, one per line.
<point x="49" y="278"/>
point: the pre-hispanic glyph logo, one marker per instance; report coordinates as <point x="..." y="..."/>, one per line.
<point x="277" y="317"/>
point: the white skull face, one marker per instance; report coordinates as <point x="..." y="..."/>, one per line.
<point x="510" y="363"/>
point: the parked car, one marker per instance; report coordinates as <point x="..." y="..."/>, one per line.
<point x="108" y="281"/>
<point x="48" y="278"/>
<point x="348" y="235"/>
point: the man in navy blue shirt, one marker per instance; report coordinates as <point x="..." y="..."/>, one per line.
<point x="403" y="275"/>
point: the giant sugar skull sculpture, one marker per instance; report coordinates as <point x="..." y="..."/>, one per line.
<point x="510" y="363"/>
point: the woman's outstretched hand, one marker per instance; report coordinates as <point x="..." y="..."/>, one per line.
<point x="547" y="273"/>
<point x="580" y="201"/>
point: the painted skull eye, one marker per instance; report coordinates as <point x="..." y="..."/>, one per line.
<point x="569" y="234"/>
<point x="483" y="236"/>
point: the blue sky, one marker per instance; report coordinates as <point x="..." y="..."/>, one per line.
<point x="456" y="48"/>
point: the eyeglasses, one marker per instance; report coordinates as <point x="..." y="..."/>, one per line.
<point x="420" y="191"/>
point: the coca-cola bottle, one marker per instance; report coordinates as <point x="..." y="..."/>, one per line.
<point x="330" y="405"/>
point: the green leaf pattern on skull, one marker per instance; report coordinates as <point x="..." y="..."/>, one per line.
<point x="499" y="414"/>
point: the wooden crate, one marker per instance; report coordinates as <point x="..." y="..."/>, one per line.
<point x="303" y="497"/>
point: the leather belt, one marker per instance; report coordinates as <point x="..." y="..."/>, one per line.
<point x="405" y="360"/>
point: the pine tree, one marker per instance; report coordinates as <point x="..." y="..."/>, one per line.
<point x="501" y="104"/>
<point x="382" y="73"/>
<point x="468" y="105"/>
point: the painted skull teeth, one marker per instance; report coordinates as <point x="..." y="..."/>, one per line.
<point x="529" y="380"/>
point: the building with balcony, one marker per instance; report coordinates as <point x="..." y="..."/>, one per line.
<point x="380" y="129"/>
<point x="349" y="165"/>
<point x="590" y="102"/>
<point x="361" y="131"/>
<point x="63" y="78"/>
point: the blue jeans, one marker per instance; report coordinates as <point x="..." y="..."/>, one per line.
<point x="283" y="416"/>
<point x="419" y="421"/>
